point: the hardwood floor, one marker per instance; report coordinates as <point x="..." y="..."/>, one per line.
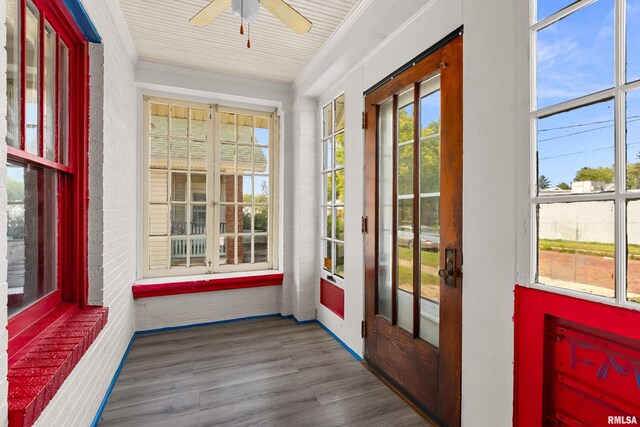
<point x="264" y="372"/>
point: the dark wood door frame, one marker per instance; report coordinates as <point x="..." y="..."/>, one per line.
<point x="441" y="396"/>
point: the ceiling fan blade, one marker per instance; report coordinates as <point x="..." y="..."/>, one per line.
<point x="209" y="13"/>
<point x="288" y="15"/>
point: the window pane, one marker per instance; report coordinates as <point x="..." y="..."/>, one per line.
<point x="246" y="218"/>
<point x="339" y="223"/>
<point x="179" y="121"/>
<point x="339" y="260"/>
<point x="430" y="137"/>
<point x="261" y="160"/>
<point x="385" y="208"/>
<point x="227" y="219"/>
<point x="261" y="248"/>
<point x="405" y="263"/>
<point x="633" y="40"/>
<point x="261" y="130"/>
<point x="261" y="189"/>
<point x="179" y="220"/>
<point x="245" y="159"/>
<point x="261" y="218"/>
<point x="179" y="153"/>
<point x="158" y="151"/>
<point x="575" y="56"/>
<point x="327" y="121"/>
<point x="227" y="188"/>
<point x="198" y="154"/>
<point x="159" y="123"/>
<point x="328" y="223"/>
<point x="245" y="189"/>
<point x="13" y="72"/>
<point x="63" y="105"/>
<point x="31" y="235"/>
<point x="576" y="150"/>
<point x="198" y="252"/>
<point x="339" y="109"/>
<point x="198" y="187"/>
<point x="179" y="187"/>
<point x="328" y="187"/>
<point x="576" y="246"/>
<point x="339" y="186"/>
<point x="633" y="251"/>
<point x="328" y="154"/>
<point x="405" y="169"/>
<point x="549" y="7"/>
<point x="327" y="263"/>
<point x="339" y="150"/>
<point x="245" y="129"/>
<point x="244" y="250"/>
<point x="227" y="127"/>
<point x="227" y="158"/>
<point x="158" y="249"/>
<point x="158" y="220"/>
<point x="633" y="140"/>
<point x="198" y="124"/>
<point x="49" y="92"/>
<point x="198" y="220"/>
<point x="158" y="186"/>
<point x="33" y="66"/>
<point x="179" y="249"/>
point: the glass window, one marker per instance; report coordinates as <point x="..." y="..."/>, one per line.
<point x="32" y="117"/>
<point x="333" y="186"/>
<point x="13" y="72"/>
<point x="183" y="159"/>
<point x="585" y="201"/>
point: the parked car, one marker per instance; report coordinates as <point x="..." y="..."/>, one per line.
<point x="429" y="237"/>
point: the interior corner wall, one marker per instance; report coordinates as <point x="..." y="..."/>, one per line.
<point x="3" y="232"/>
<point x="113" y="249"/>
<point x="495" y="80"/>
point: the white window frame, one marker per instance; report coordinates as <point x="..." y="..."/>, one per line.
<point x="323" y="202"/>
<point x="213" y="190"/>
<point x="621" y="195"/>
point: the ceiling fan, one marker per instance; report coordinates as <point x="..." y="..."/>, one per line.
<point x="247" y="10"/>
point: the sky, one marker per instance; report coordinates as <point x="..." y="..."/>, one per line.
<point x="575" y="57"/>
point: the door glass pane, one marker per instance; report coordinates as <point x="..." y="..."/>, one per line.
<point x="179" y="187"/>
<point x="633" y="40"/>
<point x="633" y="140"/>
<point x="179" y="153"/>
<point x="63" y="106"/>
<point x="198" y="220"/>
<point x="576" y="246"/>
<point x="31" y="235"/>
<point x="339" y="259"/>
<point x="339" y="176"/>
<point x="339" y="150"/>
<point x="261" y="131"/>
<point x="179" y="252"/>
<point x="198" y="187"/>
<point x="576" y="150"/>
<point x="328" y="154"/>
<point x="179" y="220"/>
<point x="245" y="129"/>
<point x="13" y="72"/>
<point x="227" y="127"/>
<point x="261" y="160"/>
<point x="339" y="108"/>
<point x="159" y="124"/>
<point x="430" y="210"/>
<point x="327" y="121"/>
<point x="198" y="251"/>
<point x="33" y="66"/>
<point x="385" y="208"/>
<point x="339" y="223"/>
<point x="633" y="251"/>
<point x="575" y="56"/>
<point x="158" y="151"/>
<point x="198" y="155"/>
<point x="198" y="124"/>
<point x="49" y="92"/>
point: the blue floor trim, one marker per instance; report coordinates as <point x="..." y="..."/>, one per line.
<point x="96" y="419"/>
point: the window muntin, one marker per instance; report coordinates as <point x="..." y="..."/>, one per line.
<point x="333" y="186"/>
<point x="584" y="191"/>
<point x="209" y="175"/>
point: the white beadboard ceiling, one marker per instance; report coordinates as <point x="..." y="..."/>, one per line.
<point x="161" y="33"/>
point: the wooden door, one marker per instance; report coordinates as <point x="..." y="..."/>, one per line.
<point x="413" y="249"/>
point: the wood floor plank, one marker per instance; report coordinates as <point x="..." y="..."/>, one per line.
<point x="270" y="372"/>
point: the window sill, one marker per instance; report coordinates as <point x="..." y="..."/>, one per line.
<point x="36" y="375"/>
<point x="148" y="288"/>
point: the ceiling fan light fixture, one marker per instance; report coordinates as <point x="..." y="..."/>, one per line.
<point x="246" y="10"/>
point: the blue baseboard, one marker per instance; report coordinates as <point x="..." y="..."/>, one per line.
<point x="98" y="416"/>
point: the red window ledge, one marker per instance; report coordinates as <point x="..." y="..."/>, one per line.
<point x="208" y="285"/>
<point x="37" y="375"/>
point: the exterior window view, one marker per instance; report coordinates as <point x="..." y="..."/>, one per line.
<point x="320" y="213"/>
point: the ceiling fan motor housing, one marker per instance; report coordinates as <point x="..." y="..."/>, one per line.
<point x="247" y="10"/>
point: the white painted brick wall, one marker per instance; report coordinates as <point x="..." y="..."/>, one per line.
<point x="191" y="309"/>
<point x="3" y="226"/>
<point x="113" y="167"/>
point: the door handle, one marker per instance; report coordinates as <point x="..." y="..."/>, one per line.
<point x="448" y="273"/>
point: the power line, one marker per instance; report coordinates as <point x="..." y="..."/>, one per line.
<point x="585" y="124"/>
<point x="585" y="151"/>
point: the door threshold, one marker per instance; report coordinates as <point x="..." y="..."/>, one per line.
<point x="424" y="414"/>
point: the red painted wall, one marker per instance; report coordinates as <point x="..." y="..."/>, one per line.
<point x="576" y="362"/>
<point x="332" y="297"/>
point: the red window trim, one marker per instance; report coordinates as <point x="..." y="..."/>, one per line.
<point x="73" y="200"/>
<point x="209" y="285"/>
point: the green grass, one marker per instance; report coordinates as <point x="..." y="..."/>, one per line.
<point x="432" y="259"/>
<point x="586" y="248"/>
<point x="634" y="299"/>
